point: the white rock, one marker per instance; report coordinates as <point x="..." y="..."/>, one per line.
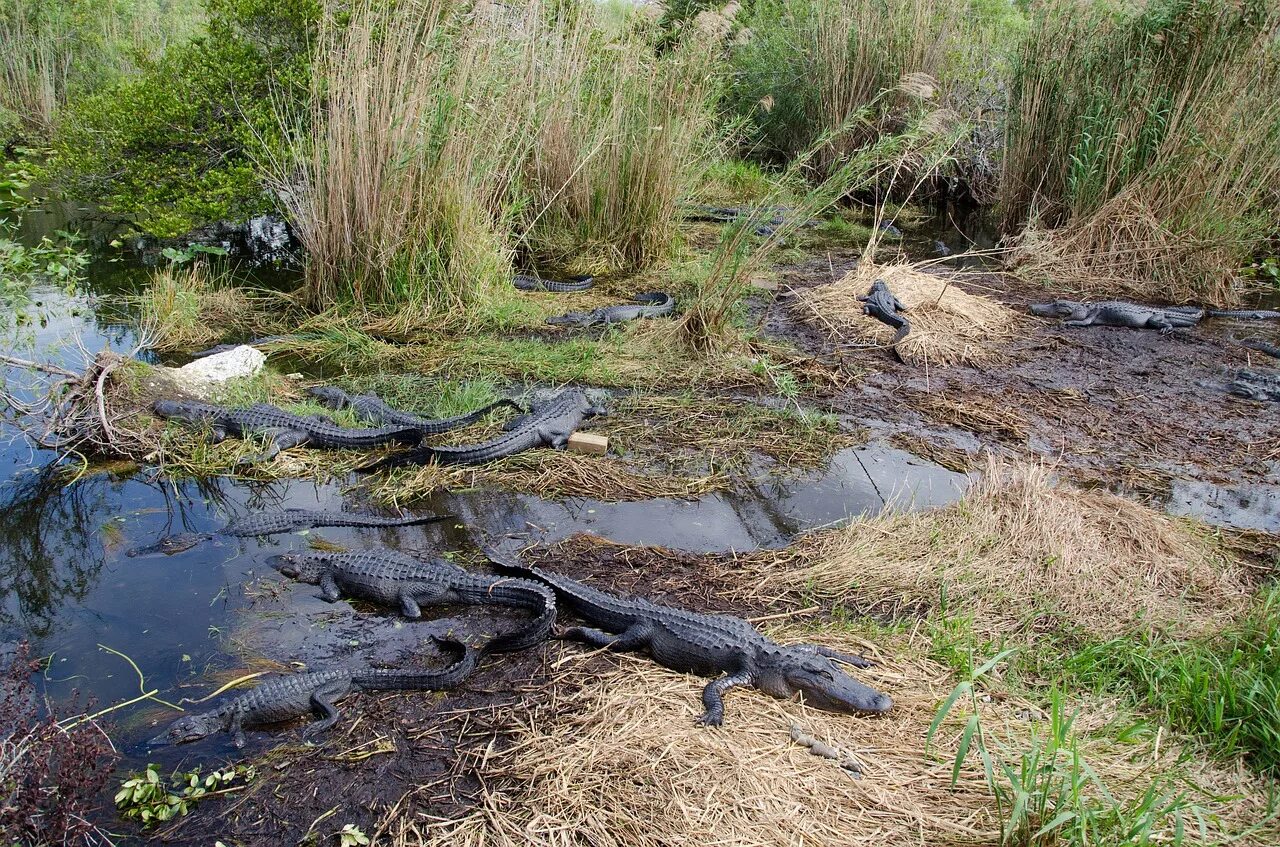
<point x="203" y="374"/>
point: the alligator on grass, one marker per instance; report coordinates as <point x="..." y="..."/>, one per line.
<point x="271" y="523"/>
<point x="880" y="304"/>
<point x="528" y="282"/>
<point x="289" y="697"/>
<point x="390" y="578"/>
<point x="654" y="304"/>
<point x="372" y="408"/>
<point x="284" y="429"/>
<point x="549" y="424"/>
<point x="711" y="645"/>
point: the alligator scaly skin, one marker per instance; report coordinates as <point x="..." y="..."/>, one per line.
<point x="287" y="697"/>
<point x="1119" y="313"/>
<point x="394" y="579"/>
<point x="880" y="304"/>
<point x="1256" y="385"/>
<point x="710" y="645"/>
<point x="1262" y="347"/>
<point x="652" y="305"/>
<point x="272" y="523"/>
<point x="1245" y="314"/>
<point x="285" y="429"/>
<point x="527" y="282"/>
<point x="549" y="424"/>
<point x="371" y="407"/>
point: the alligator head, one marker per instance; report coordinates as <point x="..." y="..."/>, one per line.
<point x="303" y="568"/>
<point x="184" y="411"/>
<point x="191" y="728"/>
<point x="787" y="673"/>
<point x="171" y="544"/>
<point x="330" y="396"/>
<point x="1065" y="309"/>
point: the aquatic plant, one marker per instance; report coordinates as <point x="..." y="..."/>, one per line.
<point x="147" y="798"/>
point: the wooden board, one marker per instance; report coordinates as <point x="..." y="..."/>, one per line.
<point x="587" y="442"/>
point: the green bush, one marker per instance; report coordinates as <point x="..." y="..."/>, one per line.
<point x="174" y="146"/>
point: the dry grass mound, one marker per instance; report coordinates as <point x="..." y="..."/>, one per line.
<point x="948" y="325"/>
<point x="614" y="760"/>
<point x="189" y="307"/>
<point x="1021" y="547"/>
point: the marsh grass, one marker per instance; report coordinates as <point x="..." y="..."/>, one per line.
<point x="1142" y="147"/>
<point x="185" y="307"/>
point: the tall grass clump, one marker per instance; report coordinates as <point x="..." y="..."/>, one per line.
<point x="803" y="68"/>
<point x="444" y="143"/>
<point x="1143" y="150"/>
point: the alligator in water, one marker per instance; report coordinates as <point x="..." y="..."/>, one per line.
<point x="256" y="342"/>
<point x="1119" y="313"/>
<point x="880" y="304"/>
<point x="528" y="282"/>
<point x="711" y="645"/>
<point x="371" y="408"/>
<point x="288" y="697"/>
<point x="271" y="523"/>
<point x="284" y="429"/>
<point x="549" y="424"/>
<point x="390" y="578"/>
<point x="1256" y="385"/>
<point x="652" y="305"/>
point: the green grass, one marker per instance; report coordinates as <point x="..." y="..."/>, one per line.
<point x="1222" y="689"/>
<point x="437" y="398"/>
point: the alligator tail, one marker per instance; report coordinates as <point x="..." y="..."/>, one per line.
<point x="446" y="424"/>
<point x="403" y="459"/>
<point x="521" y="594"/>
<point x="1261" y="346"/>
<point x="386" y="679"/>
<point x="379" y="520"/>
<point x="1246" y="314"/>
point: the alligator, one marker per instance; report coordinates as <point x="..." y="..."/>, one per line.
<point x="390" y="578"/>
<point x="372" y="408"/>
<point x="284" y="429"/>
<point x="1261" y="346"/>
<point x="880" y="304"/>
<point x="729" y="214"/>
<point x="256" y="342"/>
<point x="1119" y="313"/>
<point x="271" y="523"/>
<point x="652" y="305"/>
<point x="1256" y="385"/>
<point x="291" y="696"/>
<point x="710" y="645"/>
<point x="528" y="282"/>
<point x="1245" y="314"/>
<point x="550" y="424"/>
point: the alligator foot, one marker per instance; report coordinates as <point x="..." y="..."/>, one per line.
<point x="713" y="697"/>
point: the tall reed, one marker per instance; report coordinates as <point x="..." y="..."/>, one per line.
<point x="1148" y="144"/>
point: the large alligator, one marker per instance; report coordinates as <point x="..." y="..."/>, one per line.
<point x="528" y="282"/>
<point x="284" y="429"/>
<point x="1256" y="385"/>
<point x="710" y="645"/>
<point x="1119" y="313"/>
<point x="271" y="523"/>
<point x="880" y="304"/>
<point x="550" y="424"/>
<point x="652" y="305"/>
<point x="294" y="695"/>
<point x="372" y="408"/>
<point x="390" y="578"/>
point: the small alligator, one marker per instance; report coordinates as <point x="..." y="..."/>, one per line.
<point x="284" y="429"/>
<point x="528" y="282"/>
<point x="294" y="695"/>
<point x="1119" y="313"/>
<point x="1256" y="385"/>
<point x="372" y="408"/>
<point x="880" y="304"/>
<point x="256" y="342"/>
<point x="271" y="523"/>
<point x="1261" y="346"/>
<point x="652" y="305"/>
<point x="549" y="424"/>
<point x="710" y="645"/>
<point x="391" y="578"/>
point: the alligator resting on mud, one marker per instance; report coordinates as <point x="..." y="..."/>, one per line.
<point x="1256" y="385"/>
<point x="880" y="304"/>
<point x="710" y="645"/>
<point x="271" y="523"/>
<point x="548" y="424"/>
<point x="371" y="408"/>
<point x="655" y="304"/>
<point x="528" y="282"/>
<point x="1261" y="346"/>
<point x="390" y="578"/>
<point x="1119" y="313"/>
<point x="284" y="429"/>
<point x="292" y="696"/>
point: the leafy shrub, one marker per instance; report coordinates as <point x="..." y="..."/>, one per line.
<point x="174" y="146"/>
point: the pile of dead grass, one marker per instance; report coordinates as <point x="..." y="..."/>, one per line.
<point x="614" y="759"/>
<point x="973" y="413"/>
<point x="1021" y="547"/>
<point x="948" y="325"/>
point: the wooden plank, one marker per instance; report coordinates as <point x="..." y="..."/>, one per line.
<point x="588" y="442"/>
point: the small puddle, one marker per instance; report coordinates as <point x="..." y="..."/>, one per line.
<point x="1241" y="506"/>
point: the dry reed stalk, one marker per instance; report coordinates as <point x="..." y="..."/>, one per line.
<point x="948" y="325"/>
<point x="1021" y="547"/>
